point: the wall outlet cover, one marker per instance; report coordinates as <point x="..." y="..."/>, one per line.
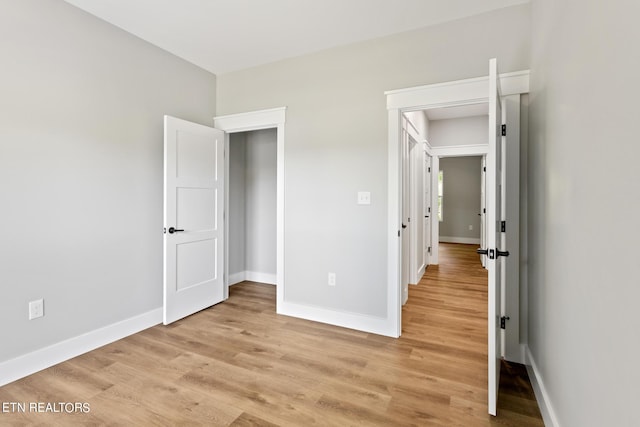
<point x="36" y="309"/>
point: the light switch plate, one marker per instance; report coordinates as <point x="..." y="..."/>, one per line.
<point x="364" y="197"/>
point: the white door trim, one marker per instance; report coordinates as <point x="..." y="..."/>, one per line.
<point x="460" y="92"/>
<point x="460" y="150"/>
<point x="511" y="307"/>
<point x="256" y="120"/>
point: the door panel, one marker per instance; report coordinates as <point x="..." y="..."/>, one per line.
<point x="483" y="210"/>
<point x="193" y="209"/>
<point x="494" y="182"/>
<point x="427" y="210"/>
<point x="193" y="263"/>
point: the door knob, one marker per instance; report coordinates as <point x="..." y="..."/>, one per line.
<point x="404" y="226"/>
<point x="481" y="251"/>
<point x="174" y="230"/>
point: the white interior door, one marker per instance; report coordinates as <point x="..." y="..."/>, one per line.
<point x="483" y="210"/>
<point x="495" y="243"/>
<point x="193" y="218"/>
<point x="427" y="210"/>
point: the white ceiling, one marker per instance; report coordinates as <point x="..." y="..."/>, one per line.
<point x="227" y="35"/>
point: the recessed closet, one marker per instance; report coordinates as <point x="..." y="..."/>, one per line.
<point x="252" y="206"/>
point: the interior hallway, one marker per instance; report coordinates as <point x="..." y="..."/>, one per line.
<point x="239" y="363"/>
<point x="447" y="314"/>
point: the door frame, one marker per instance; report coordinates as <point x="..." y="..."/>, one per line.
<point x="447" y="94"/>
<point x="273" y="118"/>
<point x="415" y="260"/>
<point x="476" y="150"/>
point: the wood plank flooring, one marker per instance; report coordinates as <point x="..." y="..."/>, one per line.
<point x="240" y="364"/>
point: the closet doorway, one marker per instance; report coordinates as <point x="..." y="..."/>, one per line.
<point x="263" y="133"/>
<point x="251" y="213"/>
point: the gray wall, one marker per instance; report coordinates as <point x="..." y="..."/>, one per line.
<point x="460" y="131"/>
<point x="261" y="178"/>
<point x="252" y="199"/>
<point x="237" y="205"/>
<point x="583" y="202"/>
<point x="81" y="158"/>
<point x="336" y="143"/>
<point x="461" y="199"/>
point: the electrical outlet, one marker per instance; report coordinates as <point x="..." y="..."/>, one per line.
<point x="470" y="227"/>
<point x="332" y="279"/>
<point x="36" y="309"/>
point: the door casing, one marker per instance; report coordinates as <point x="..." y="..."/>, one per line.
<point x="448" y="94"/>
<point x="250" y="121"/>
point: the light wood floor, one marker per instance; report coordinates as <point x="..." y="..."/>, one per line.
<point x="240" y="364"/>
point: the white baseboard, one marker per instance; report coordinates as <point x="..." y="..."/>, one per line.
<point x="237" y="278"/>
<point x="30" y="363"/>
<point x="360" y="322"/>
<point x="253" y="276"/>
<point x="465" y="240"/>
<point x="421" y="272"/>
<point x="544" y="401"/>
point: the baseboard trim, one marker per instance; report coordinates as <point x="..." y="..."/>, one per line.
<point x="236" y="278"/>
<point x="253" y="276"/>
<point x="360" y="322"/>
<point x="30" y="363"/>
<point x="544" y="401"/>
<point x="465" y="240"/>
<point x="421" y="271"/>
<point x="256" y="276"/>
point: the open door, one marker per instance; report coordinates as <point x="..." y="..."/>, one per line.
<point x="495" y="250"/>
<point x="427" y="210"/>
<point x="483" y="210"/>
<point x="193" y="218"/>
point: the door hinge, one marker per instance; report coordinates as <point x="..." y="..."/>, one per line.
<point x="429" y="249"/>
<point x="484" y="169"/>
<point x="484" y="210"/>
<point x="504" y="130"/>
<point x="503" y="226"/>
<point x="429" y="209"/>
<point x="503" y="322"/>
<point x="428" y="169"/>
